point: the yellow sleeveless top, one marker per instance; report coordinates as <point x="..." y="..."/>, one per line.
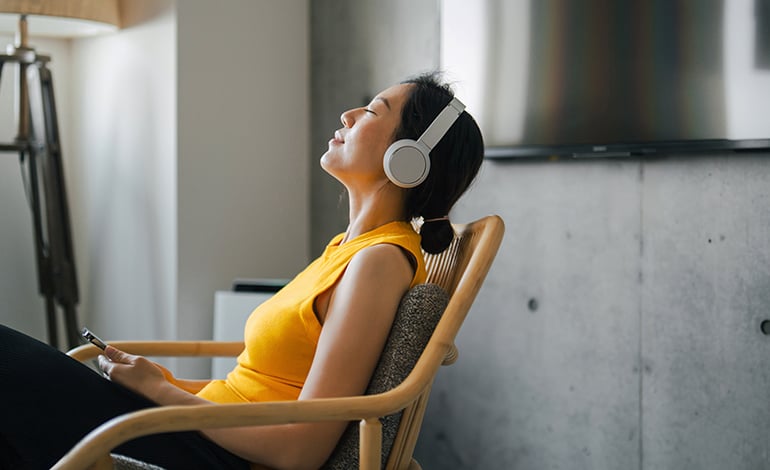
<point x="281" y="335"/>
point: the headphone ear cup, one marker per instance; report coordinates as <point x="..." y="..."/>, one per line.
<point x="406" y="163"/>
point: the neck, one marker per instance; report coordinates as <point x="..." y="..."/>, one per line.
<point x="371" y="210"/>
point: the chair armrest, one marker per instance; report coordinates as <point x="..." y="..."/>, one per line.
<point x="109" y="435"/>
<point x="186" y="418"/>
<point x="164" y="348"/>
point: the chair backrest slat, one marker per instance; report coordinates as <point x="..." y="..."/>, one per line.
<point x="440" y="266"/>
<point x="476" y="243"/>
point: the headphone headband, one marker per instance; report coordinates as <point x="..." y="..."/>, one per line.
<point x="442" y="123"/>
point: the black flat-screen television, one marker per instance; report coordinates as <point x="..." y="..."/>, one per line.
<point x="609" y="78"/>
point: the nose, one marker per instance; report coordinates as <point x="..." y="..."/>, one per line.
<point x="348" y="118"/>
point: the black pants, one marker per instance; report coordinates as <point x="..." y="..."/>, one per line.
<point x="49" y="401"/>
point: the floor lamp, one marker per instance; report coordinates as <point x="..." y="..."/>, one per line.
<point x="38" y="146"/>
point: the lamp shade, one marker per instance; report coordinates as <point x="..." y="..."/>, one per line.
<point x="61" y="18"/>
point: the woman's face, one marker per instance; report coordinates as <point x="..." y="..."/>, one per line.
<point x="356" y="151"/>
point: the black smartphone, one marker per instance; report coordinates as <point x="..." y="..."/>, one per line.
<point x="93" y="339"/>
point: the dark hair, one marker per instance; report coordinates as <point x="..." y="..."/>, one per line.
<point x="454" y="161"/>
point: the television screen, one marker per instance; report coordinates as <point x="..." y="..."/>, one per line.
<point x="611" y="77"/>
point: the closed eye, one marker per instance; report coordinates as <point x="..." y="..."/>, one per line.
<point x="370" y="111"/>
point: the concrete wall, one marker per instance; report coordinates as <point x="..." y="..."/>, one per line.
<point x="620" y="324"/>
<point x="548" y="354"/>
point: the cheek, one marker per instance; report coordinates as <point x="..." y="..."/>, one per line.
<point x="362" y="153"/>
<point x="374" y="139"/>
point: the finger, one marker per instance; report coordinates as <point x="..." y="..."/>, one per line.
<point x="105" y="365"/>
<point x="116" y="355"/>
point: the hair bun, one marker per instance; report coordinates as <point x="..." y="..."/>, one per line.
<point x="437" y="234"/>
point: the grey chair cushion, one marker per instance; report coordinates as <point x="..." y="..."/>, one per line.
<point x="417" y="317"/>
<point x="121" y="462"/>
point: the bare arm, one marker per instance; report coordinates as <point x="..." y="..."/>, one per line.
<point x="357" y="323"/>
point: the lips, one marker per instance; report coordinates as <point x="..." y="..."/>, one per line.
<point x="338" y="137"/>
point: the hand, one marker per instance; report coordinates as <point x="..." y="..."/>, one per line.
<point x="134" y="372"/>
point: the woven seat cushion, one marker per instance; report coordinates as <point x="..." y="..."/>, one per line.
<point x="121" y="462"/>
<point x="417" y="317"/>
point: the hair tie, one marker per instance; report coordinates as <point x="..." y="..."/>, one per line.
<point x="437" y="219"/>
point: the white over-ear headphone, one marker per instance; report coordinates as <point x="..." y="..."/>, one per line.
<point x="407" y="162"/>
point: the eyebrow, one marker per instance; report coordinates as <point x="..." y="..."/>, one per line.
<point x="384" y="100"/>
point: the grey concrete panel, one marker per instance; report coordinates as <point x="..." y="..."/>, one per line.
<point x="706" y="291"/>
<point x="547" y="375"/>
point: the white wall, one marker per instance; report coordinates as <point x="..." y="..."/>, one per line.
<point x="243" y="118"/>
<point x="185" y="150"/>
<point x="115" y="100"/>
<point x="123" y="168"/>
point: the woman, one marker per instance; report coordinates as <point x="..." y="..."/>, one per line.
<point x="320" y="336"/>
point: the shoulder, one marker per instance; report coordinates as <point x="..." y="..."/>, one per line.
<point x="370" y="288"/>
<point x="383" y="260"/>
<point x="375" y="276"/>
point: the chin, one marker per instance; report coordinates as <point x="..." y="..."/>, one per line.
<point x="327" y="166"/>
<point x="324" y="161"/>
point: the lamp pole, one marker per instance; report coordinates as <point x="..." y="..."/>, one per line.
<point x="37" y="144"/>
